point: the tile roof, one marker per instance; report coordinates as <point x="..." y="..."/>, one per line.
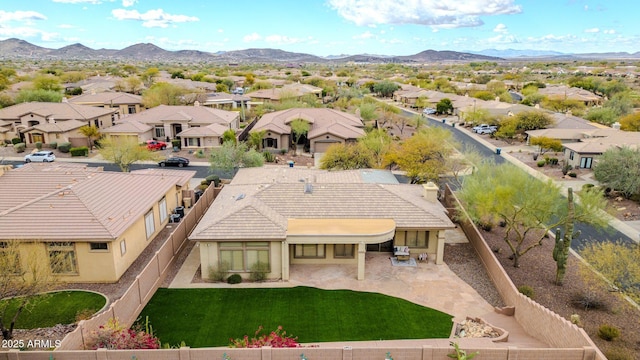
<point x="76" y="203"/>
<point x="58" y="111"/>
<point x="131" y="126"/>
<point x="321" y="120"/>
<point x="209" y="130"/>
<point x="260" y="210"/>
<point x="107" y="98"/>
<point x="60" y="126"/>
<point x="192" y="114"/>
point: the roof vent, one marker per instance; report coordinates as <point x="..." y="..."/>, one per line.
<point x="308" y="188"/>
<point x="240" y="197"/>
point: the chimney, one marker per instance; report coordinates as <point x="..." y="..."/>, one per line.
<point x="430" y="192"/>
<point x="52" y="120"/>
<point x="196" y="103"/>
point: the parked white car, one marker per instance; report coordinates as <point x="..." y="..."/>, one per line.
<point x="429" y="111"/>
<point x="40" y="156"/>
<point x="485" y="129"/>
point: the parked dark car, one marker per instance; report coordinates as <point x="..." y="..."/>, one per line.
<point x="174" y="161"/>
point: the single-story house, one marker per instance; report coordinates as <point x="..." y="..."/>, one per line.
<point x="166" y="122"/>
<point x="585" y="153"/>
<point x="571" y="93"/>
<point x="276" y="94"/>
<point x="125" y="102"/>
<point x="226" y="101"/>
<point x="96" y="223"/>
<point x="327" y="127"/>
<point x="45" y="121"/>
<point x="281" y="216"/>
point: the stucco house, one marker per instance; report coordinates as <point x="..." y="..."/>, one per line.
<point x="327" y="127"/>
<point x="276" y="94"/>
<point x="125" y="103"/>
<point x="283" y="216"/>
<point x="47" y="122"/>
<point x="196" y="126"/>
<point x="97" y="222"/>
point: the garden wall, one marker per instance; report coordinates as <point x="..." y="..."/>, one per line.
<point x="538" y="321"/>
<point x="129" y="306"/>
<point x="416" y="352"/>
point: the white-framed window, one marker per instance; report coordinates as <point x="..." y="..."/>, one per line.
<point x="159" y="132"/>
<point x="162" y="205"/>
<point x="149" y="224"/>
<point x="123" y="247"/>
<point x="241" y="256"/>
<point x="62" y="257"/>
<point x="99" y="246"/>
<point x="309" y="251"/>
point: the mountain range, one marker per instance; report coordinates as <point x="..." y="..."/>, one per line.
<point x="20" y="49"/>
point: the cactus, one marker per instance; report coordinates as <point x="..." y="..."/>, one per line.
<point x="563" y="243"/>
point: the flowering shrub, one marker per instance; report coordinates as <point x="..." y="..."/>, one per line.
<point x="277" y="339"/>
<point x="114" y="336"/>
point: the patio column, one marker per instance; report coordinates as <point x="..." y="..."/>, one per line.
<point x="285" y="260"/>
<point x="362" y="249"/>
<point x="440" y="250"/>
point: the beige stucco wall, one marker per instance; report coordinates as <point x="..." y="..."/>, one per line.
<point x="432" y="242"/>
<point x="209" y="258"/>
<point x="205" y="142"/>
<point x="324" y="138"/>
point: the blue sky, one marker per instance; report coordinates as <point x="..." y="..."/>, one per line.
<point x="328" y="27"/>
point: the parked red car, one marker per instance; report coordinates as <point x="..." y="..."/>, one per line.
<point x="156" y="145"/>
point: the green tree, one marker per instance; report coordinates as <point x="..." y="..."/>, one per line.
<point x="47" y="82"/>
<point x="26" y="95"/>
<point x="528" y="207"/>
<point x="368" y="112"/>
<point x="378" y="143"/>
<point x="478" y="116"/>
<point x="422" y="102"/>
<point x="424" y="155"/>
<point x="91" y="132"/>
<point x="22" y="276"/>
<point x="444" y="106"/>
<point x="229" y="136"/>
<point x="346" y="157"/>
<point x="299" y="128"/>
<point x="385" y="88"/>
<point x="621" y="104"/>
<point x="546" y="144"/>
<point x="533" y="120"/>
<point x="232" y="156"/>
<point x="619" y="169"/>
<point x="149" y="76"/>
<point x="630" y="122"/>
<point x="603" y="115"/>
<point x="616" y="261"/>
<point x="255" y="139"/>
<point x="163" y="93"/>
<point x="125" y="151"/>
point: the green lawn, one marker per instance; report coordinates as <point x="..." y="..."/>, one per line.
<point x="56" y="308"/>
<point x="209" y="317"/>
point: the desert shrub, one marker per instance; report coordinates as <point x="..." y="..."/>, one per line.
<point x="526" y="290"/>
<point x="115" y="336"/>
<point x="19" y="147"/>
<point x="215" y="179"/>
<point x="553" y="161"/>
<point x="39" y="145"/>
<point x="259" y="271"/>
<point x="572" y="174"/>
<point x="608" y="332"/>
<point x="618" y="353"/>
<point x="220" y="272"/>
<point x="204" y="182"/>
<point x="64" y="147"/>
<point x="234" y="279"/>
<point x="202" y="187"/>
<point x="566" y="168"/>
<point x="199" y="153"/>
<point x="541" y="163"/>
<point x="587" y="186"/>
<point x="176" y="143"/>
<point x="53" y="145"/>
<point x="575" y="319"/>
<point x="268" y="157"/>
<point x="276" y="339"/>
<point x="15" y="141"/>
<point x="79" y="151"/>
<point x="283" y="151"/>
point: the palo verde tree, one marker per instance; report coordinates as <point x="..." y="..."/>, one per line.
<point x="91" y="132"/>
<point x="231" y="156"/>
<point x="23" y="275"/>
<point x="299" y="128"/>
<point x="424" y="156"/>
<point x="528" y="207"/>
<point x="619" y="169"/>
<point x="546" y="144"/>
<point x="125" y="151"/>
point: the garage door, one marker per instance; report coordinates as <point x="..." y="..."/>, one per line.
<point x="322" y="147"/>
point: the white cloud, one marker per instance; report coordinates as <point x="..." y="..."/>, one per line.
<point x="66" y="26"/>
<point x="610" y="31"/>
<point x="152" y="18"/>
<point x="24" y="16"/>
<point x="501" y="28"/>
<point x="282" y="39"/>
<point x="364" y="35"/>
<point x="128" y="3"/>
<point x="451" y="14"/>
<point x="592" y="30"/>
<point x="252" y="37"/>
